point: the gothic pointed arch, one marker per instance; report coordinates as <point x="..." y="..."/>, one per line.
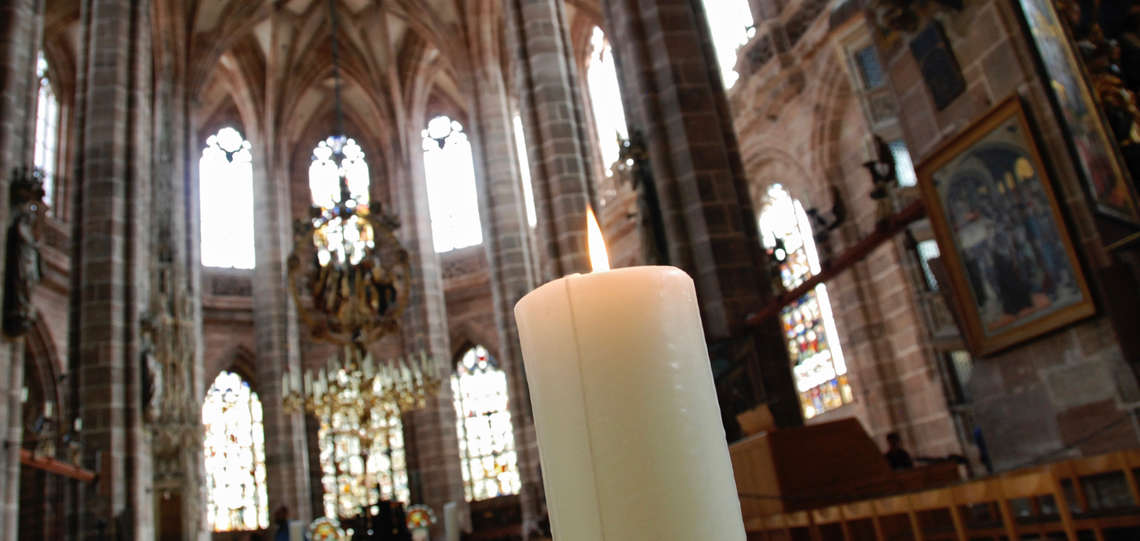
<point x="489" y="458"/>
<point x="234" y="455"/>
<point x="819" y="368"/>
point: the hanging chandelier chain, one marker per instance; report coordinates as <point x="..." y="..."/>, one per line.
<point x="336" y="68"/>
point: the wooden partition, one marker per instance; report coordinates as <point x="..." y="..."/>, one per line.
<point x="1084" y="499"/>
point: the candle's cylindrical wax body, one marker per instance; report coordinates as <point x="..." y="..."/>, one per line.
<point x="628" y="423"/>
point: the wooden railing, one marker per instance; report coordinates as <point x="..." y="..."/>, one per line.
<point x="1094" y="498"/>
<point x="884" y="232"/>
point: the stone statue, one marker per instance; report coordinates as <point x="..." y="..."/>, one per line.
<point x="152" y="370"/>
<point x="882" y="170"/>
<point x="22" y="260"/>
<point x="633" y="163"/>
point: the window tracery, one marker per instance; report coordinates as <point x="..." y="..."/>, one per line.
<point x="226" y="201"/>
<point x="818" y="365"/>
<point x="358" y="474"/>
<point x="234" y="445"/>
<point x="605" y="99"/>
<point x="324" y="187"/>
<point x="484" y="426"/>
<point x="450" y="173"/>
<point x="47" y="131"/>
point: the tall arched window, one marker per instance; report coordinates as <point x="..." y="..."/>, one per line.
<point x="809" y="326"/>
<point x="357" y="474"/>
<point x="235" y="456"/>
<point x="226" y="201"/>
<point x="730" y="22"/>
<point x="450" y="174"/>
<point x="524" y="172"/>
<point x="483" y="421"/>
<point x="47" y="131"/>
<point x="324" y="186"/>
<point x="605" y="97"/>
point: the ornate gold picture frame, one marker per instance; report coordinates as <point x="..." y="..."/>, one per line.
<point x="1012" y="266"/>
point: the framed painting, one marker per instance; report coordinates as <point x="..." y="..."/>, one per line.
<point x="1106" y="179"/>
<point x="1008" y="255"/>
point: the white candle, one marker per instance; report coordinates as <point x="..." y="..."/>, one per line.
<point x="451" y="521"/>
<point x="629" y="428"/>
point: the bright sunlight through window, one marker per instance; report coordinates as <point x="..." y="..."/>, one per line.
<point x="47" y="131"/>
<point x="226" y="186"/>
<point x="605" y="96"/>
<point x="730" y="22"/>
<point x="450" y="174"/>
<point x="524" y="172"/>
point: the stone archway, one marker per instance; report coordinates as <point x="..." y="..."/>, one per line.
<point x="44" y="497"/>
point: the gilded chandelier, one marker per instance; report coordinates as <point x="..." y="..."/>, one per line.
<point x="348" y="276"/>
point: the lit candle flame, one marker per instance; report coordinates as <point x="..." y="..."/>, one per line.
<point x="599" y="258"/>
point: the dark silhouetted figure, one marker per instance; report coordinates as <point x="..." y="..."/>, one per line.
<point x="896" y="456"/>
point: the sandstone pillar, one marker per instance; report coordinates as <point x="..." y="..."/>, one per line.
<point x="437" y="476"/>
<point x="558" y="141"/>
<point x="110" y="258"/>
<point x="673" y="94"/>
<point x="276" y="330"/>
<point x="19" y="23"/>
<point x="508" y="245"/>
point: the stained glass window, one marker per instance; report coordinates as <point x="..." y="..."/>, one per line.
<point x="818" y="366"/>
<point x="47" y="131"/>
<point x="355" y="473"/>
<point x="324" y="187"/>
<point x="450" y="173"/>
<point x="605" y="97"/>
<point x="226" y="201"/>
<point x="483" y="421"/>
<point x="235" y="456"/>
<point x="730" y="22"/>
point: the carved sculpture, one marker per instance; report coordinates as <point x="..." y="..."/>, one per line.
<point x="884" y="178"/>
<point x="633" y="164"/>
<point x="352" y="303"/>
<point x="822" y="226"/>
<point x="22" y="270"/>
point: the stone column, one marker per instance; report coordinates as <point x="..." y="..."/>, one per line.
<point x="110" y="257"/>
<point x="507" y="242"/>
<point x="19" y="23"/>
<point x="176" y="264"/>
<point x="437" y="478"/>
<point x="673" y="94"/>
<point x="275" y="327"/>
<point x="553" y="112"/>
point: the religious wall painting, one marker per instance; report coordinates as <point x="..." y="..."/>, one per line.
<point x="1009" y="258"/>
<point x="1087" y="133"/>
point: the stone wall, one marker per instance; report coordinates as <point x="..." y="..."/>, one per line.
<point x="801" y="125"/>
<point x="1069" y="392"/>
